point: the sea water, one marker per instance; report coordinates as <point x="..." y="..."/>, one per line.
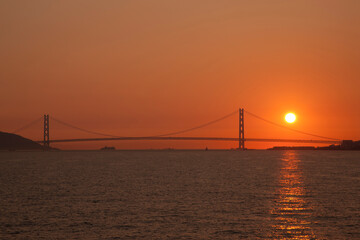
<point x="180" y="195"/>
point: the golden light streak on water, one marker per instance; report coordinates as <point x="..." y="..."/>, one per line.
<point x="291" y="210"/>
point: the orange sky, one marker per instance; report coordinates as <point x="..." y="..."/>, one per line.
<point x="148" y="67"/>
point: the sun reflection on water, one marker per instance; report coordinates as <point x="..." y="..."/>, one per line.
<point x="291" y="211"/>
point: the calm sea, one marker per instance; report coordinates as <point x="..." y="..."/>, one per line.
<point x="180" y="195"/>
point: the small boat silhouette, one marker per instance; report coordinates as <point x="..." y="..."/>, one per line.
<point x="106" y="148"/>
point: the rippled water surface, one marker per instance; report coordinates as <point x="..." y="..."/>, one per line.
<point x="180" y="195"/>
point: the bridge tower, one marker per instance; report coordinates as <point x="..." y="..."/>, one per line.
<point x="241" y="129"/>
<point x="46" y="131"/>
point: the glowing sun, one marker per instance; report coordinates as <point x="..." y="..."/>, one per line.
<point x="290" y="117"/>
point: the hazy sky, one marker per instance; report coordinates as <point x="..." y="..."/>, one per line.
<point x="135" y="68"/>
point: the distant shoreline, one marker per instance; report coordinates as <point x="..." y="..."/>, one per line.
<point x="179" y="150"/>
<point x="10" y="142"/>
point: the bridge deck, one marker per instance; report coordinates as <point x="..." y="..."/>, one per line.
<point x="191" y="139"/>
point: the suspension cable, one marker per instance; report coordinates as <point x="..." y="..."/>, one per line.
<point x="288" y="128"/>
<point x="160" y="135"/>
<point x="81" y="129"/>
<point x="27" y="125"/>
<point x="197" y="127"/>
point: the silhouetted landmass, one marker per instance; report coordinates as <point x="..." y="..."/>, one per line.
<point x="345" y="145"/>
<point x="12" y="142"/>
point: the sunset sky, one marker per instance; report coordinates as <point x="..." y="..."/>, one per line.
<point x="137" y="68"/>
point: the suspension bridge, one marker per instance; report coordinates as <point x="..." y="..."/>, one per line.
<point x="170" y="136"/>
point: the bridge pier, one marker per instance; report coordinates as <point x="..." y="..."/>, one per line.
<point x="241" y="129"/>
<point x="46" y="141"/>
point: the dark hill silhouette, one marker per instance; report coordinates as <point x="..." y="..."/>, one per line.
<point x="9" y="141"/>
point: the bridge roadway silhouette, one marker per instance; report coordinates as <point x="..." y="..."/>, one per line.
<point x="193" y="139"/>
